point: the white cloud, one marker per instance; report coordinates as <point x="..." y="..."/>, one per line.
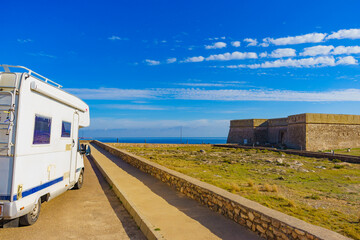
<point x="269" y="95"/>
<point x="129" y="107"/>
<point x="235" y="43"/>
<point x="312" y="37"/>
<point x="324" y="61"/>
<point x="317" y="50"/>
<point x="251" y="41"/>
<point x="220" y="94"/>
<point x="232" y="56"/>
<point x="264" y="44"/>
<point x="216" y="38"/>
<point x="112" y="93"/>
<point x="24" y="40"/>
<point x="152" y="62"/>
<point x="213" y="84"/>
<point x="346" y="50"/>
<point x="345" y="33"/>
<point x="42" y="54"/>
<point x="201" y="84"/>
<point x="283" y="52"/>
<point x="330" y="50"/>
<point x="113" y="38"/>
<point x="299" y="63"/>
<point x="195" y="59"/>
<point x="101" y="123"/>
<point x="349" y="60"/>
<point x="171" y="60"/>
<point x="216" y="45"/>
<point x="307" y="38"/>
<point x="263" y="54"/>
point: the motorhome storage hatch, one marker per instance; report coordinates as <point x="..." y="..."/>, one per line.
<point x="40" y="154"/>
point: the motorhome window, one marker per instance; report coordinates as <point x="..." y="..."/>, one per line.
<point x="66" y="129"/>
<point x="42" y="130"/>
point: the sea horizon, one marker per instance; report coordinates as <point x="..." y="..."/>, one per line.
<point x="161" y="140"/>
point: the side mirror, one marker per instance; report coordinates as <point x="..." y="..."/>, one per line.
<point x="88" y="150"/>
<point x="82" y="149"/>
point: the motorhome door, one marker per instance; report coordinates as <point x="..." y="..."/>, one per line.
<point x="74" y="144"/>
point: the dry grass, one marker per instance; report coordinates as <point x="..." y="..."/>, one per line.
<point x="250" y="183"/>
<point x="256" y="189"/>
<point x="234" y="188"/>
<point x="267" y="188"/>
<point x="314" y="190"/>
<point x="270" y="188"/>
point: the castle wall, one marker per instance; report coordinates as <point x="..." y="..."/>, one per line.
<point x="277" y="135"/>
<point x="332" y="136"/>
<point x="260" y="135"/>
<point x="277" y="130"/>
<point x="307" y="131"/>
<point x="240" y="130"/>
<point x="249" y="130"/>
<point x="296" y="136"/>
<point x="260" y="131"/>
<point x="238" y="134"/>
<point x="329" y="131"/>
<point x="296" y="132"/>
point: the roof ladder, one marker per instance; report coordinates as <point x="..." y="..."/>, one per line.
<point x="8" y="92"/>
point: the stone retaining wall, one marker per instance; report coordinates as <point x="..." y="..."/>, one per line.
<point x="267" y="222"/>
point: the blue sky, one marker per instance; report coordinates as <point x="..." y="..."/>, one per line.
<point x="147" y="68"/>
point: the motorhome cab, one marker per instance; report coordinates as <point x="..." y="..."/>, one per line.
<point x="40" y="156"/>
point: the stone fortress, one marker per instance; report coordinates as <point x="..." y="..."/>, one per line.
<point x="308" y="131"/>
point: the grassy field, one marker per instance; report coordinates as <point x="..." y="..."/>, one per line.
<point x="319" y="191"/>
<point x="353" y="151"/>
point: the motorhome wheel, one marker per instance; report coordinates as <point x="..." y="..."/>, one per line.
<point x="80" y="182"/>
<point x="32" y="216"/>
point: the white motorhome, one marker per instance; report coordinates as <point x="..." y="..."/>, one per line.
<point x="40" y="154"/>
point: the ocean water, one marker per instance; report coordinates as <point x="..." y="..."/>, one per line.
<point x="170" y="140"/>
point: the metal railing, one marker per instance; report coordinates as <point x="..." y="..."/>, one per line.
<point x="30" y="72"/>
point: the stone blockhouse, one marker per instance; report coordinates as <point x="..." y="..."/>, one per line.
<point x="308" y="131"/>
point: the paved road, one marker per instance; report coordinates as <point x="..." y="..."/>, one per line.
<point x="93" y="212"/>
<point x="172" y="213"/>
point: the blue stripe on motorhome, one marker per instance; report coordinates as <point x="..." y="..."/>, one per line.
<point x="38" y="188"/>
<point x="5" y="197"/>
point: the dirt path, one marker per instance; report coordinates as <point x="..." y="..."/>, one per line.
<point x="93" y="212"/>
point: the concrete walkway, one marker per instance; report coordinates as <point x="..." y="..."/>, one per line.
<point x="171" y="214"/>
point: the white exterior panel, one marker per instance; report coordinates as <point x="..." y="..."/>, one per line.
<point x="5" y="176"/>
<point x="40" y="168"/>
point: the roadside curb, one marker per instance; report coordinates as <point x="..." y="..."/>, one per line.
<point x="145" y="226"/>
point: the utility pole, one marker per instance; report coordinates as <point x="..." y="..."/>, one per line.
<point x="180" y="134"/>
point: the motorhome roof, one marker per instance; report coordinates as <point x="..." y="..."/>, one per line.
<point x="53" y="90"/>
<point x="30" y="72"/>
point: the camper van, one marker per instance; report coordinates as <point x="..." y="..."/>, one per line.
<point x="40" y="154"/>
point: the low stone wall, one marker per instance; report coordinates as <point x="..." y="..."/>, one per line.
<point x="267" y="222"/>
<point x="341" y="157"/>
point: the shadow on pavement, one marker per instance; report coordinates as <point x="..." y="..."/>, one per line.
<point x="219" y="225"/>
<point x="121" y="213"/>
